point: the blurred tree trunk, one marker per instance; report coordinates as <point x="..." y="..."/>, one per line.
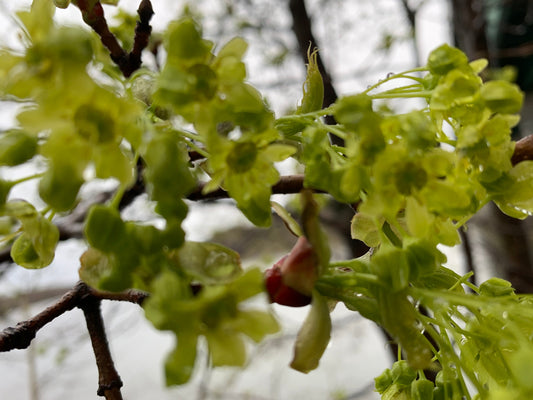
<point x="502" y="32"/>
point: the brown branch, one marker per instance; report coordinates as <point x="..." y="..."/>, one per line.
<point x="127" y="62"/>
<point x="109" y="382"/>
<point x="523" y="150"/>
<point x="20" y="336"/>
<point x="142" y="37"/>
<point x="95" y="18"/>
<point x="286" y="185"/>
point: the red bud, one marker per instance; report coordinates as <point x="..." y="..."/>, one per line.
<point x="281" y="293"/>
<point x="291" y="280"/>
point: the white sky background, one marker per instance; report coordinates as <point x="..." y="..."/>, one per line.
<point x="348" y="48"/>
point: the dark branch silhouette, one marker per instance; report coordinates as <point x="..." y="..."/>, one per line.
<point x="127" y="62"/>
<point x="301" y="26"/>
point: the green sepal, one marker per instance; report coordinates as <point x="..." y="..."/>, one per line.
<point x="61" y="3"/>
<point x="184" y="43"/>
<point x="59" y="186"/>
<point x="179" y="364"/>
<point x="517" y="201"/>
<point x="35" y="247"/>
<point x="399" y="318"/>
<point x="110" y="161"/>
<point x="313" y="337"/>
<point x="255" y="324"/>
<point x="423" y="257"/>
<point x="391" y="264"/>
<point x="383" y="381"/>
<point x="496" y="287"/>
<point x="167" y="175"/>
<point x="104" y="228"/>
<point x="422" y="389"/>
<point x="446" y="58"/>
<point x="442" y="278"/>
<point x="313" y="87"/>
<point x="365" y="229"/>
<point x="226" y="349"/>
<point x="94" y="265"/>
<point x="351" y="110"/>
<point x="16" y="147"/>
<point x="402" y="373"/>
<point x="502" y="97"/>
<point x="5" y="188"/>
<point x="146" y="239"/>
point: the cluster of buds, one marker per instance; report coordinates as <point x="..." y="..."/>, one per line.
<point x="290" y="281"/>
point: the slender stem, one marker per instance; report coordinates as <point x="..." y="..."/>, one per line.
<point x="27" y="178"/>
<point x="20" y="336"/>
<point x="198" y="149"/>
<point x="422" y="94"/>
<point x="394" y="76"/>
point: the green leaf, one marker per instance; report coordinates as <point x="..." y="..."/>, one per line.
<point x="423" y="257"/>
<point x="402" y="373"/>
<point x="208" y="262"/>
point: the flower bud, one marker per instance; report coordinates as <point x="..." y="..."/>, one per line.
<point x="291" y="280"/>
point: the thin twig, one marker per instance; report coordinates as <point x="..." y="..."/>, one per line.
<point x="109" y="382"/>
<point x="286" y="185"/>
<point x="127" y="62"/>
<point x="523" y="150"/>
<point x="20" y="336"/>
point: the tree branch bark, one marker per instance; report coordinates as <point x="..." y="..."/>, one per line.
<point x="20" y="336"/>
<point x="127" y="62"/>
<point x="109" y="382"/>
